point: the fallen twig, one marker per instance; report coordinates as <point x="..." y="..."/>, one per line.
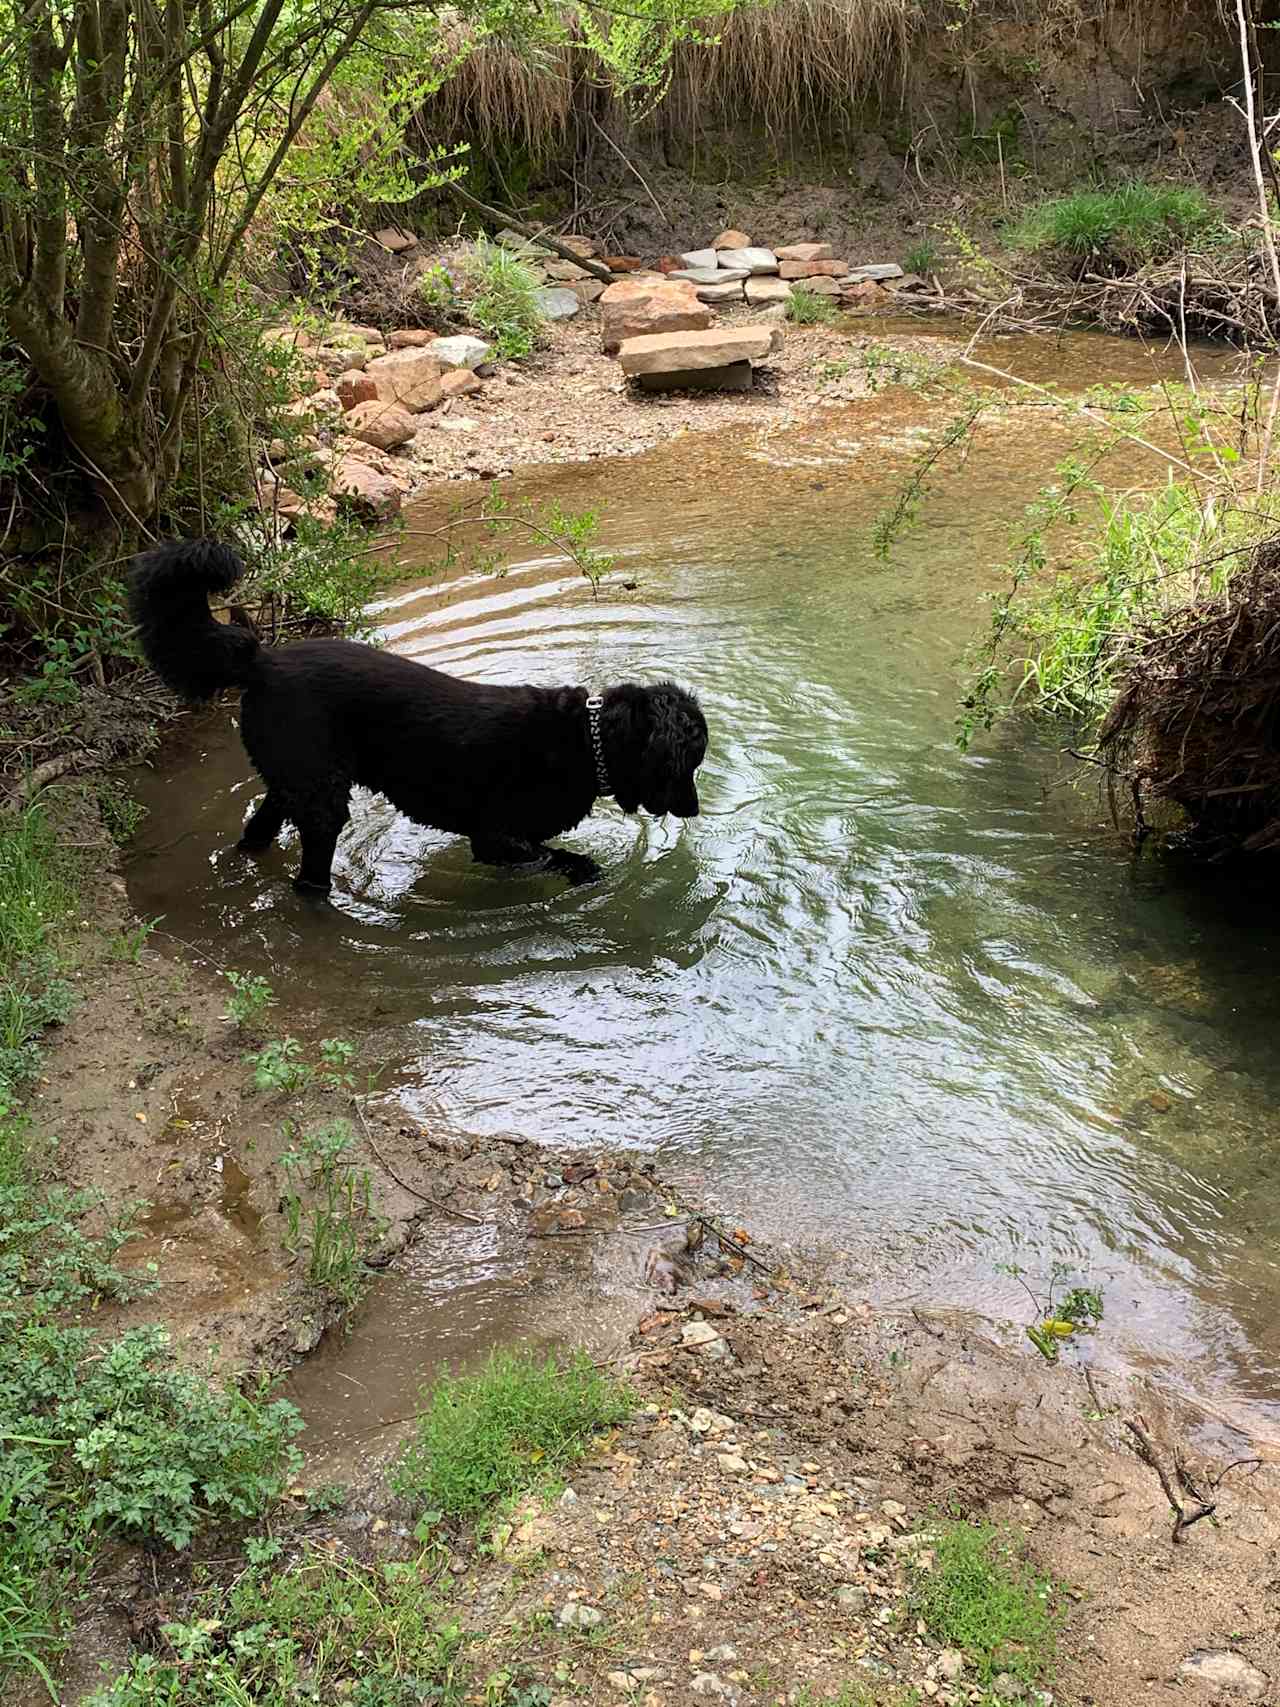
<point x="1149" y="1453"/>
<point x="444" y="1208"/>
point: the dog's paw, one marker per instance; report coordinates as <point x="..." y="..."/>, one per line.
<point x="576" y="867"/>
<point x="312" y="891"/>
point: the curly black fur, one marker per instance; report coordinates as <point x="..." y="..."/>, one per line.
<point x="506" y="766"/>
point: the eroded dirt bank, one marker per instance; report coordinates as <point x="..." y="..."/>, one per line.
<point x="751" y="1532"/>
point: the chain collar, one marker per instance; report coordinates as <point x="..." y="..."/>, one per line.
<point x="595" y="705"/>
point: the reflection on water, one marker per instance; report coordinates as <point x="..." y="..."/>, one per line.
<point x="919" y="1005"/>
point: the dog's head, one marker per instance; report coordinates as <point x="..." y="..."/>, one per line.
<point x="655" y="738"/>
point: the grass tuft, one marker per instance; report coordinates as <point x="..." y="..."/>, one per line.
<point x="983" y="1598"/>
<point x="811" y="307"/>
<point x="1118" y="229"/>
<point x="509" y="1427"/>
<point x="504" y="305"/>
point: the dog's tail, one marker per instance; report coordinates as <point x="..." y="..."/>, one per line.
<point x="169" y="589"/>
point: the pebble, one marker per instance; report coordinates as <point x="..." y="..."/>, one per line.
<point x="1224" y="1670"/>
<point x="950" y="1664"/>
<point x="574" y="1616"/>
<point x="731" y="1464"/>
<point x="698" y="1334"/>
<point x="851" y="1599"/>
<point x="724" y="1655"/>
<point x="707" y="1683"/>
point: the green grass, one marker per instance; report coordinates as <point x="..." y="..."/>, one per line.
<point x="984" y="1599"/>
<point x="924" y="257"/>
<point x="328" y="1212"/>
<point x="811" y="307"/>
<point x="1119" y="228"/>
<point x="36" y="893"/>
<point x="510" y="1427"/>
<point x="324" y="1629"/>
<point x="1140" y="567"/>
<point x="504" y="301"/>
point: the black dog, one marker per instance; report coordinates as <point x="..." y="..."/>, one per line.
<point x="506" y="766"/>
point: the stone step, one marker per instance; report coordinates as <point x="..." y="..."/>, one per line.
<point x="668" y="353"/>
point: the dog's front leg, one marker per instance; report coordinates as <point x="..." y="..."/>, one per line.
<point x="506" y="850"/>
<point x="264" y="826"/>
<point x="320" y="822"/>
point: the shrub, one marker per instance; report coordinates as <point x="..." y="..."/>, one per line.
<point x="487" y="1436"/>
<point x="324" y="1630"/>
<point x="129" y="1442"/>
<point x="1118" y="229"/>
<point x="924" y="257"/>
<point x="811" y="307"/>
<point x="504" y="304"/>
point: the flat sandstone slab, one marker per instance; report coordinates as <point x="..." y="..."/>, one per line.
<point x="734" y="376"/>
<point x="683" y="352"/>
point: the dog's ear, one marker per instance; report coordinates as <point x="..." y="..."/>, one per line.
<point x="674" y="749"/>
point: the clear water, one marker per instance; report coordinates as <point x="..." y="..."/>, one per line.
<point x="922" y="1007"/>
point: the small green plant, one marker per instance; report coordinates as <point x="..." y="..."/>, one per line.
<point x="923" y="257"/>
<point x="982" y="1597"/>
<point x="437" y="290"/>
<point x="512" y="1425"/>
<point x="249" y="1000"/>
<point x="128" y="944"/>
<point x="811" y="307"/>
<point x="281" y="1066"/>
<point x="1118" y="229"/>
<point x="121" y="811"/>
<point x="335" y="1218"/>
<point x="1058" y="1316"/>
<point x="324" y="1629"/>
<point x="504" y="304"/>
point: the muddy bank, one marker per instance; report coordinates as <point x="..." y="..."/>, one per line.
<point x="753" y="1531"/>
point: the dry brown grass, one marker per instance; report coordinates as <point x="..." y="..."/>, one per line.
<point x="783" y="64"/>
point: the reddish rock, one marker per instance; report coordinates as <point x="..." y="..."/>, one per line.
<point x="356" y="387"/>
<point x="460" y="382"/>
<point x="409" y="377"/>
<point x="393" y="239"/>
<point x="410" y="338"/>
<point x="365" y="489"/>
<point x="867" y="291"/>
<point x="382" y="425"/>
<point x="804" y="252"/>
<point x="813" y="269"/>
<point x="669" y="263"/>
<point x="580" y="245"/>
<point x="732" y="240"/>
<point x="624" y="263"/>
<point x="631" y="309"/>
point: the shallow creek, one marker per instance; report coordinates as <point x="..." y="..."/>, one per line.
<point x="920" y="1007"/>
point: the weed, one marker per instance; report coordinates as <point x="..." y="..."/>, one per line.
<point x="281" y="1066"/>
<point x="35" y="895"/>
<point x="121" y="812"/>
<point x="249" y="1000"/>
<point x="128" y="1443"/>
<point x="438" y="290"/>
<point x="505" y="302"/>
<point x="331" y="1227"/>
<point x="1057" y="1318"/>
<point x="128" y="944"/>
<point x="325" y="1630"/>
<point x="327" y="1498"/>
<point x="982" y="1597"/>
<point x="512" y="1425"/>
<point x="811" y="308"/>
<point x="924" y="257"/>
<point x="1118" y="229"/>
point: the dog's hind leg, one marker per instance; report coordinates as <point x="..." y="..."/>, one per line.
<point x="264" y="826"/>
<point x="321" y="819"/>
<point x="578" y="868"/>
